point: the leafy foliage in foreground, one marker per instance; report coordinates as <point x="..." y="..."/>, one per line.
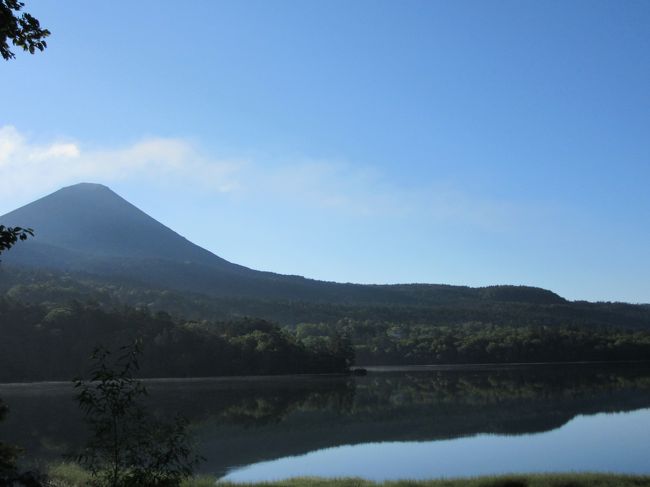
<point x="128" y="446"/>
<point x="9" y="236"/>
<point x="23" y="30"/>
<point x="9" y="471"/>
<point x="8" y="453"/>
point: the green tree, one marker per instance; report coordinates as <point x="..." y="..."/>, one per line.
<point x="8" y="453"/>
<point x="128" y="446"/>
<point x="9" y="236"/>
<point x="22" y="29"/>
<point x="9" y="472"/>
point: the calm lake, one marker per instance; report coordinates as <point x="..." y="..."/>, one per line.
<point x="392" y="423"/>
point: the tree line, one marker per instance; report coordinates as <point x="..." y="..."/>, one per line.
<point x="499" y="305"/>
<point x="385" y="343"/>
<point x="54" y="343"/>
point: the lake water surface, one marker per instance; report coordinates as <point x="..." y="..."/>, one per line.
<point x="393" y="423"/>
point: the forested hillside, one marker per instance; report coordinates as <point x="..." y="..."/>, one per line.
<point x="54" y="343"/>
<point x="50" y="341"/>
<point x="101" y="271"/>
<point x="496" y="305"/>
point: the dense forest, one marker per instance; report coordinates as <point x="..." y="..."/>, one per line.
<point x="50" y="341"/>
<point x="50" y="322"/>
<point x="393" y="343"/>
<point x="453" y="305"/>
<point x="54" y="343"/>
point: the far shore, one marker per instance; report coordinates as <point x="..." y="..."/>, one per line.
<point x="369" y="368"/>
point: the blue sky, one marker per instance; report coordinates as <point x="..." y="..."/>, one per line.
<point x="461" y="142"/>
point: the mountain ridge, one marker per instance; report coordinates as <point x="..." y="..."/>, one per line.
<point x="88" y="227"/>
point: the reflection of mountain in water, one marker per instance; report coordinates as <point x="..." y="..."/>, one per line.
<point x="242" y="421"/>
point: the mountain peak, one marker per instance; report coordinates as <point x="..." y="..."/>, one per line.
<point x="74" y="206"/>
<point x="92" y="219"/>
<point x="86" y="187"/>
<point x="86" y="190"/>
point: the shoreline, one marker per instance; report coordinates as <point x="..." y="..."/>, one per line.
<point x="491" y="365"/>
<point x="71" y="475"/>
<point x="370" y="368"/>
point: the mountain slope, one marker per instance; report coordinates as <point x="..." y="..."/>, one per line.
<point x="91" y="219"/>
<point x="89" y="228"/>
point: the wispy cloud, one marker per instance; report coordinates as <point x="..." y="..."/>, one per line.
<point x="28" y="169"/>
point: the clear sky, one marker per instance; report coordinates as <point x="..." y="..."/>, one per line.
<point x="461" y="142"/>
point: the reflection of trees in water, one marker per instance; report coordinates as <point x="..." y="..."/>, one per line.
<point x="509" y="401"/>
<point x="484" y="388"/>
<point x="240" y="421"/>
<point x="418" y="406"/>
<point x="258" y="411"/>
<point x="252" y="403"/>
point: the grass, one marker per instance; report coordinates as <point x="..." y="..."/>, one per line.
<point x="68" y="474"/>
<point x="72" y="475"/>
<point x="530" y="480"/>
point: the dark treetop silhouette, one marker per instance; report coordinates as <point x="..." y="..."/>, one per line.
<point x="23" y="30"/>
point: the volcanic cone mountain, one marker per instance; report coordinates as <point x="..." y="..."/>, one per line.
<point x="88" y="228"/>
